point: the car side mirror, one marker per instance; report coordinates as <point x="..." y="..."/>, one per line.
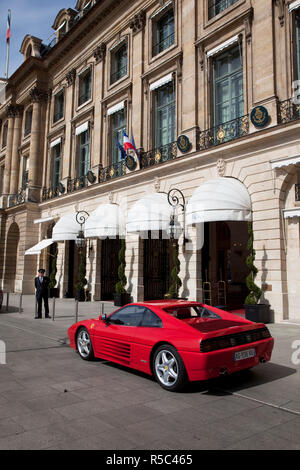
<point x="104" y="318"/>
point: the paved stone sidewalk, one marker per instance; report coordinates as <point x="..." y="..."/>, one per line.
<point x="51" y="399"/>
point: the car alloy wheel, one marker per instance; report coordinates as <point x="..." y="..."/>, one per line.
<point x="84" y="345"/>
<point x="169" y="369"/>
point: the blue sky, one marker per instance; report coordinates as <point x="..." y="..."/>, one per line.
<point x="33" y="17"/>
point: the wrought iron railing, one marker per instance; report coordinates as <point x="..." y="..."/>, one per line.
<point x="49" y="193"/>
<point x="163" y="45"/>
<point x="223" y="133"/>
<point x="217" y="6"/>
<point x="297" y="192"/>
<point x="113" y="171"/>
<point x="84" y="98"/>
<point x="16" y="199"/>
<point x="77" y="183"/>
<point x="118" y="74"/>
<point x="288" y="111"/>
<point x="58" y="116"/>
<point x="158" y="155"/>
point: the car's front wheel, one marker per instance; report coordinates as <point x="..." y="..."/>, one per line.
<point x="168" y="368"/>
<point x="84" y="344"/>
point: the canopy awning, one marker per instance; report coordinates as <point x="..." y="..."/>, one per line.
<point x="290" y="213"/>
<point x="106" y="221"/>
<point x="220" y="199"/>
<point x="67" y="228"/>
<point x="37" y="249"/>
<point x="151" y="212"/>
<point x="283" y="162"/>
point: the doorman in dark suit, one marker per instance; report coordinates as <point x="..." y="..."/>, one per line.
<point x="41" y="284"/>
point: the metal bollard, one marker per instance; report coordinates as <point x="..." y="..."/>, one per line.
<point x="76" y="310"/>
<point x="35" y="307"/>
<point x="53" y="308"/>
<point x="20" y="303"/>
<point x="7" y="301"/>
<point x="102" y="310"/>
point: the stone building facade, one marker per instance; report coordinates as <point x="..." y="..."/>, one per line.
<point x="208" y="89"/>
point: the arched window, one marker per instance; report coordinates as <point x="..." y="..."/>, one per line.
<point x="28" y="121"/>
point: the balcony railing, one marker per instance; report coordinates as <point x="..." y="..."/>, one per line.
<point x="288" y="111"/>
<point x="163" y="45"/>
<point x="222" y="133"/>
<point x="113" y="171"/>
<point x="16" y="199"/>
<point x="118" y="74"/>
<point x="297" y="192"/>
<point x="158" y="155"/>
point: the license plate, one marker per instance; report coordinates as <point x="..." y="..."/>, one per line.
<point x="241" y="355"/>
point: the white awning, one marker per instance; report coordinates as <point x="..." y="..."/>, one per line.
<point x="67" y="228"/>
<point x="106" y="221"/>
<point x="80" y="129"/>
<point x="114" y="109"/>
<point x="285" y="162"/>
<point x="55" y="142"/>
<point x="289" y="213"/>
<point x="41" y="221"/>
<point x="152" y="212"/>
<point x="222" y="46"/>
<point x="219" y="199"/>
<point x="294" y="5"/>
<point x="37" y="249"/>
<point x="161" y="9"/>
<point x="162" y="81"/>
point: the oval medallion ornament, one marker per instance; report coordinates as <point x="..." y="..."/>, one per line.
<point x="91" y="177"/>
<point x="183" y="143"/>
<point x="130" y="163"/>
<point x="259" y="116"/>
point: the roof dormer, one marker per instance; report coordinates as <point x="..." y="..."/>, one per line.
<point x="63" y="22"/>
<point x="31" y="47"/>
<point x="84" y="4"/>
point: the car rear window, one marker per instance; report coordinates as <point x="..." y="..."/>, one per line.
<point x="183" y="313"/>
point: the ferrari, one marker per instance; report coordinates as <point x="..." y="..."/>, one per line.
<point x="176" y="341"/>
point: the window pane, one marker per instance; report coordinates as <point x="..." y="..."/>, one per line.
<point x="119" y="63"/>
<point x="165" y="33"/>
<point x="84" y="153"/>
<point x="118" y="126"/>
<point x="56" y="165"/>
<point x="164" y="115"/>
<point x="151" y="320"/>
<point x="217" y="6"/>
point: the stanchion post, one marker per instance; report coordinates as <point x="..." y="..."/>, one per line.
<point x="35" y="307"/>
<point x="7" y="301"/>
<point x="20" y="304"/>
<point x="76" y="310"/>
<point x="53" y="308"/>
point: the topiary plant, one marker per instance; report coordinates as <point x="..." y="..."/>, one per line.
<point x="254" y="291"/>
<point x="176" y="283"/>
<point x="121" y="284"/>
<point x="52" y="282"/>
<point x="81" y="274"/>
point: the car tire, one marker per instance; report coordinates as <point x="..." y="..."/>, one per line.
<point x="84" y="344"/>
<point x="168" y="368"/>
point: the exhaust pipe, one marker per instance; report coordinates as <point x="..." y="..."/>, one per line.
<point x="262" y="360"/>
<point x="223" y="372"/>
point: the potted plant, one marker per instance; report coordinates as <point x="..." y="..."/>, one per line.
<point x="121" y="296"/>
<point x="176" y="283"/>
<point x="82" y="282"/>
<point x="53" y="291"/>
<point x="255" y="312"/>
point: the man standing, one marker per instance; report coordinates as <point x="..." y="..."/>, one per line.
<point x="41" y="284"/>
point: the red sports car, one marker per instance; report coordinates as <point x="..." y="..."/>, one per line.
<point x="175" y="341"/>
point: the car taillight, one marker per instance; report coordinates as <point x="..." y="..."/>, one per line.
<point x="238" y="339"/>
<point x="265" y="333"/>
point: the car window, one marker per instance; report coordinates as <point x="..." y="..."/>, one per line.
<point x="131" y="315"/>
<point x="151" y="320"/>
<point x="183" y="313"/>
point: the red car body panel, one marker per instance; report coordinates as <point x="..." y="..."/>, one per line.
<point x="133" y="346"/>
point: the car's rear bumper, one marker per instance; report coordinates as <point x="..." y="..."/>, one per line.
<point x="205" y="366"/>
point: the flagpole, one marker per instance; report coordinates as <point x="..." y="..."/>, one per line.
<point x="8" y="44"/>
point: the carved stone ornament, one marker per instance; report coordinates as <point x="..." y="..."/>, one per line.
<point x="37" y="95"/>
<point x="138" y="22"/>
<point x="221" y="167"/>
<point x="71" y="77"/>
<point x="100" y="52"/>
<point x="248" y="26"/>
<point x="281" y="8"/>
<point x="14" y="110"/>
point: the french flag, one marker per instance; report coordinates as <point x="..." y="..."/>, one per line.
<point x="8" y="27"/>
<point x="127" y="144"/>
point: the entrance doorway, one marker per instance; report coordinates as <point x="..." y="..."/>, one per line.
<point x="224" y="268"/>
<point x="109" y="267"/>
<point x="12" y="245"/>
<point x="157" y="262"/>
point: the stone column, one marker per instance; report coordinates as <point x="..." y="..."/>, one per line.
<point x="15" y="159"/>
<point x="10" y="111"/>
<point x="35" y="161"/>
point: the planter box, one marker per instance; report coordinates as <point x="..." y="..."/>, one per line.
<point x="258" y="313"/>
<point x="122" y="299"/>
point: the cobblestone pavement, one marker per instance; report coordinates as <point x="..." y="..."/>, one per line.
<point x="51" y="399"/>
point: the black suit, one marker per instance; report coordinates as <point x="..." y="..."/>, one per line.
<point x="42" y="293"/>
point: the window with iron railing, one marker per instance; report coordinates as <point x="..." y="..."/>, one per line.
<point x="56" y="165"/>
<point x="164" y="115"/>
<point x="217" y="6"/>
<point x="84" y="153"/>
<point x="163" y="32"/>
<point x="118" y="127"/>
<point x="85" y="87"/>
<point x="25" y="173"/>
<point x="119" y="63"/>
<point x="59" y="101"/>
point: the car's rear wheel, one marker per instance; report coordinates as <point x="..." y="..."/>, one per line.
<point x="168" y="368"/>
<point x="84" y="344"/>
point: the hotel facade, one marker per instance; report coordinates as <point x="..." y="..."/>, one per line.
<point x="208" y="90"/>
